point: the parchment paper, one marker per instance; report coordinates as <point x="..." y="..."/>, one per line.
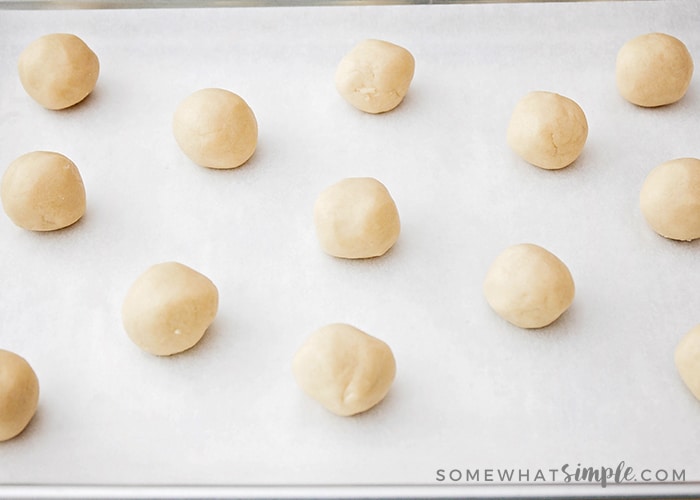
<point x="596" y="388"/>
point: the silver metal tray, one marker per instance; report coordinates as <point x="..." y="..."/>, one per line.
<point x="137" y="4"/>
<point x="474" y="396"/>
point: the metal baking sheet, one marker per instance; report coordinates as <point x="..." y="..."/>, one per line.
<point x="473" y="394"/>
<point x="159" y="4"/>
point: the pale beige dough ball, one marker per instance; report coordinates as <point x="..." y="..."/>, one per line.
<point x="653" y="70"/>
<point x="19" y="394"/>
<point x="670" y="199"/>
<point x="356" y="218"/>
<point x="58" y="70"/>
<point x="43" y="191"/>
<point x="375" y="75"/>
<point x="687" y="358"/>
<point x="529" y="286"/>
<point x="216" y="128"/>
<point x="547" y="130"/>
<point x="168" y="308"/>
<point x="344" y="369"/>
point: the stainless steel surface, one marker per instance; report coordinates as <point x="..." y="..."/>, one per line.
<point x="141" y="4"/>
<point x="226" y="420"/>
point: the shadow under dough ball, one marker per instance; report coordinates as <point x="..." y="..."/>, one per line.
<point x="58" y="70"/>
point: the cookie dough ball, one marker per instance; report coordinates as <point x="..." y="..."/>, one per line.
<point x="547" y="130"/>
<point x="344" y="369"/>
<point x="58" y="70"/>
<point x="215" y="128"/>
<point x="43" y="191"/>
<point x="375" y="75"/>
<point x="168" y="308"/>
<point x="670" y="199"/>
<point x="19" y="394"/>
<point x="653" y="70"/>
<point x="529" y="286"/>
<point x="356" y="218"/>
<point x="687" y="358"/>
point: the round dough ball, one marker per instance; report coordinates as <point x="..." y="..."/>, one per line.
<point x="356" y="218"/>
<point x="168" y="308"/>
<point x="215" y="128"/>
<point x="19" y="394"/>
<point x="670" y="199"/>
<point x="58" y="70"/>
<point x="43" y="191"/>
<point x="344" y="369"/>
<point x="687" y="358"/>
<point x="375" y="75"/>
<point x="547" y="130"/>
<point x="529" y="286"/>
<point x="653" y="70"/>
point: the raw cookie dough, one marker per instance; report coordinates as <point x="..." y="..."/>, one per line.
<point x="168" y="308"/>
<point x="58" y="70"/>
<point x="356" y="218"/>
<point x="43" y="191"/>
<point x="375" y="75"/>
<point x="653" y="70"/>
<point x="19" y="394"/>
<point x="529" y="286"/>
<point x="670" y="199"/>
<point x="687" y="358"/>
<point x="215" y="128"/>
<point x="547" y="130"/>
<point x="344" y="369"/>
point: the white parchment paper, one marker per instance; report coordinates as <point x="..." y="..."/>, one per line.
<point x="596" y="388"/>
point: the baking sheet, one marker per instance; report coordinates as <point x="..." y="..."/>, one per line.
<point x="159" y="4"/>
<point x="472" y="392"/>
